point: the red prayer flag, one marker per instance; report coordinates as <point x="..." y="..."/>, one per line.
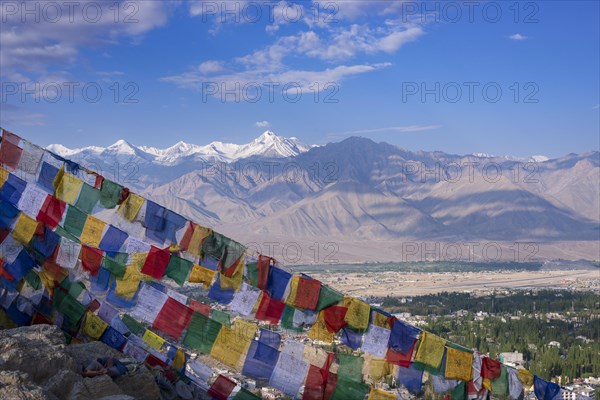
<point x="269" y="309"/>
<point x="10" y="155"/>
<point x="98" y="181"/>
<point x="153" y="361"/>
<point x="51" y="211"/>
<point x="320" y="383"/>
<point x="3" y="234"/>
<point x="398" y="358"/>
<point x="93" y="306"/>
<point x="221" y="388"/>
<point x="187" y="237"/>
<point x="173" y="318"/>
<point x="40" y="319"/>
<point x="334" y="318"/>
<point x="156" y="263"/>
<point x="4" y="273"/>
<point x="10" y="137"/>
<point x="263" y="266"/>
<point x="10" y="152"/>
<point x="490" y="368"/>
<point x="200" y="307"/>
<point x="307" y="295"/>
<point x="91" y="259"/>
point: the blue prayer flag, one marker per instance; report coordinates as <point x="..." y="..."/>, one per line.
<point x="113" y="338"/>
<point x="113" y="239"/>
<point x="278" y="281"/>
<point x="411" y="378"/>
<point x="46" y="177"/>
<point x="402" y="336"/>
<point x="351" y="338"/>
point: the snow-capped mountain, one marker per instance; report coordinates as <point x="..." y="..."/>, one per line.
<point x="366" y="198"/>
<point x="266" y="145"/>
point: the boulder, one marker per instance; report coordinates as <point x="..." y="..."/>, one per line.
<point x="37" y="364"/>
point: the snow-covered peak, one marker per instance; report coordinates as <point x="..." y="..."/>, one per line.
<point x="268" y="144"/>
<point x="539" y="158"/>
<point x="121" y="147"/>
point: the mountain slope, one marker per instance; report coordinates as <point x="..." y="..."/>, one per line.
<point x="364" y="195"/>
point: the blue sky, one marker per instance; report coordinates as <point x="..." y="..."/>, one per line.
<point x="421" y="75"/>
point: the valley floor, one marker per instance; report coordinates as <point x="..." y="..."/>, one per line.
<point x="395" y="283"/>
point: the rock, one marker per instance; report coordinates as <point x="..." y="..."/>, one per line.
<point x="37" y="350"/>
<point x="140" y="385"/>
<point x="94" y="388"/>
<point x="15" y="385"/>
<point x="37" y="364"/>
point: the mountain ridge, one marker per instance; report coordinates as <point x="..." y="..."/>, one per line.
<point x="369" y="197"/>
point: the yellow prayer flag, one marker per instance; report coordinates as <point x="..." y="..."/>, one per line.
<point x="431" y="350"/>
<point x="380" y="320"/>
<point x="93" y="326"/>
<point x="24" y="229"/>
<point x="378" y="394"/>
<point x="487" y="383"/>
<point x="202" y="275"/>
<point x="319" y="330"/>
<point x="153" y="340"/>
<point x="129" y="283"/>
<point x="291" y="299"/>
<point x="378" y="369"/>
<point x="58" y="177"/>
<point x="92" y="231"/>
<point x="3" y="176"/>
<point x="358" y="313"/>
<point x="525" y="377"/>
<point x="179" y="360"/>
<point x="235" y="280"/>
<point x="232" y="343"/>
<point x="458" y="364"/>
<point x="130" y="208"/>
<point x="68" y="188"/>
<point x="200" y="233"/>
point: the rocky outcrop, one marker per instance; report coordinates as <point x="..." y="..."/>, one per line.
<point x="37" y="364"/>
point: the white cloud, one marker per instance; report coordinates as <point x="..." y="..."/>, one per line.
<point x="518" y="37"/>
<point x="263" y="124"/>
<point x="211" y="66"/>
<point x="301" y="80"/>
<point x="55" y="39"/>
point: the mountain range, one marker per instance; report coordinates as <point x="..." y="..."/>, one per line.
<point x="361" y="201"/>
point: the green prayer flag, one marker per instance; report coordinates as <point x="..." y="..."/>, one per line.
<point x="75" y="221"/>
<point x="114" y="267"/>
<point x="63" y="232"/>
<point x="178" y="269"/>
<point x="76" y="289"/>
<point x="349" y="390"/>
<point x="68" y="306"/>
<point x="252" y="274"/>
<point x="88" y="197"/>
<point x="202" y="333"/>
<point x="221" y="317"/>
<point x="287" y="319"/>
<point x="500" y="384"/>
<point x="110" y="193"/>
<point x="134" y="326"/>
<point x="460" y="391"/>
<point x="33" y="279"/>
<point x="350" y="367"/>
<point x="328" y="297"/>
<point x="245" y="394"/>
